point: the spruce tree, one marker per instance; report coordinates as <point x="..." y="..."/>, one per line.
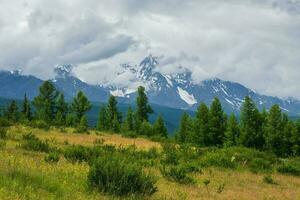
<point x="143" y="108"/>
<point x="217" y="123"/>
<point x="251" y="125"/>
<point x="159" y="127"/>
<point x="102" y="124"/>
<point x="185" y="130"/>
<point x="44" y="103"/>
<point x="83" y="125"/>
<point x="26" y="109"/>
<point x="129" y="120"/>
<point x="146" y="129"/>
<point x="295" y="139"/>
<point x="113" y="115"/>
<point x="80" y="106"/>
<point x="12" y="112"/>
<point x="61" y="110"/>
<point x="201" y="126"/>
<point x="232" y="132"/>
<point x="274" y="130"/>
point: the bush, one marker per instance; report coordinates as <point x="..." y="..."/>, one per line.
<point x="77" y="153"/>
<point x="177" y="174"/>
<point x="290" y="168"/>
<point x="170" y="154"/>
<point x="31" y="142"/>
<point x="4" y="122"/>
<point x="118" y="176"/>
<point x="52" y="157"/>
<point x="40" y="124"/>
<point x="2" y="144"/>
<point x="3" y="133"/>
<point x="218" y="158"/>
<point x="269" y="180"/>
<point x="260" y="165"/>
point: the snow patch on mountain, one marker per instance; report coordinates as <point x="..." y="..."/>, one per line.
<point x="185" y="96"/>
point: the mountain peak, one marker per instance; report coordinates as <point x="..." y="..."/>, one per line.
<point x="63" y="70"/>
<point x="146" y="67"/>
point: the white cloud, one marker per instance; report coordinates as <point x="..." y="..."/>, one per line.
<point x="254" y="42"/>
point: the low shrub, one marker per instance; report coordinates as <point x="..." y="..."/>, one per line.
<point x="269" y="180"/>
<point x="77" y="153"/>
<point x="40" y="124"/>
<point x="52" y="157"/>
<point x="3" y="133"/>
<point x="118" y="176"/>
<point x="4" y="122"/>
<point x="290" y="168"/>
<point x="260" y="165"/>
<point x="2" y="144"/>
<point x="170" y="154"/>
<point x="177" y="174"/>
<point x="31" y="142"/>
<point x="218" y="158"/>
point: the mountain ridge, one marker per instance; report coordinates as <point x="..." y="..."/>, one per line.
<point x="170" y="90"/>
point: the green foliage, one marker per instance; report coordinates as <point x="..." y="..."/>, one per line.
<point x="61" y="110"/>
<point x="290" y="168"/>
<point x="70" y="120"/>
<point x="143" y="108"/>
<point x="146" y="129"/>
<point x="41" y="124"/>
<point x="102" y="123"/>
<point x="232" y="132"/>
<point x="201" y="129"/>
<point x="159" y="127"/>
<point x="251" y="125"/>
<point x="269" y="180"/>
<point x="118" y="176"/>
<point x="176" y="173"/>
<point x="129" y="121"/>
<point x="26" y="109"/>
<point x="184" y="134"/>
<point x="170" y="154"/>
<point x="3" y="133"/>
<point x="44" y="103"/>
<point x="2" y="144"/>
<point x="114" y="118"/>
<point x="32" y="143"/>
<point x="12" y="112"/>
<point x="77" y="153"/>
<point x="80" y="106"/>
<point x="52" y="157"/>
<point x="217" y="124"/>
<point x="83" y="125"/>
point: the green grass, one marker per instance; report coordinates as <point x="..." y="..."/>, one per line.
<point x="65" y="172"/>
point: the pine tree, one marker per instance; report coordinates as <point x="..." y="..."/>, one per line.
<point x="232" y="132"/>
<point x="61" y="110"/>
<point x="201" y="127"/>
<point x="12" y="112"/>
<point x="115" y="125"/>
<point x="251" y="125"/>
<point x="113" y="115"/>
<point x="102" y="124"/>
<point x="143" y="108"/>
<point x="44" y="103"/>
<point x="26" y="109"/>
<point x="146" y="129"/>
<point x="70" y="120"/>
<point x="80" y="106"/>
<point x="185" y="129"/>
<point x="129" y="120"/>
<point x="295" y="139"/>
<point x="159" y="127"/>
<point x="83" y="125"/>
<point x="217" y="123"/>
<point x="274" y="130"/>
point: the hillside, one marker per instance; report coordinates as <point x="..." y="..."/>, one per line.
<point x="26" y="175"/>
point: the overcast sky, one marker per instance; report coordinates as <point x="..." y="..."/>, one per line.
<point x="254" y="42"/>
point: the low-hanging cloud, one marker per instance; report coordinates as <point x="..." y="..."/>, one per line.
<point x="254" y="42"/>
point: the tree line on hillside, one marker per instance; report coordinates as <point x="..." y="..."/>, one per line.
<point x="266" y="130"/>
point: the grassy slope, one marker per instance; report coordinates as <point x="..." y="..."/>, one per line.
<point x="25" y="174"/>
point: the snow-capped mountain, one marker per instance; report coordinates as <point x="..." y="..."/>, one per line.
<point x="169" y="90"/>
<point x="179" y="90"/>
